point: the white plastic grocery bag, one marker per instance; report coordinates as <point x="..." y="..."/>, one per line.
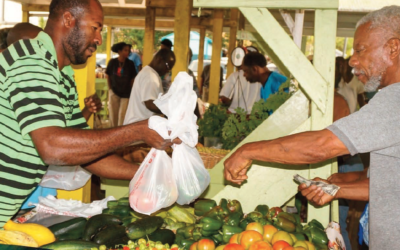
<point x="65" y="177"/>
<point x="192" y="178"/>
<point x="153" y="187"/>
<point x="178" y="105"/>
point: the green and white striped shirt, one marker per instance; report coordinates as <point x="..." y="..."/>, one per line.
<point x="34" y="94"/>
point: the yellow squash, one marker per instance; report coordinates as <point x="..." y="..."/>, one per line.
<point x="41" y="234"/>
<point x="17" y="238"/>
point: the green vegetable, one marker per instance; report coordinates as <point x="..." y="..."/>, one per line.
<point x="223" y="203"/>
<point x="284" y="224"/>
<point x="317" y="237"/>
<point x="71" y="245"/>
<point x="235" y="206"/>
<point x="69" y="230"/>
<point x="189" y="232"/>
<point x="97" y="222"/>
<point x="164" y="235"/>
<point x="210" y="224"/>
<point x="182" y="214"/>
<point x="213" y="121"/>
<point x="314" y="224"/>
<point x="287" y="216"/>
<point x="186" y="243"/>
<point x="299" y="236"/>
<point x="254" y="216"/>
<point x="143" y="227"/>
<point x="228" y="231"/>
<point x="244" y="222"/>
<point x="124" y="201"/>
<point x="217" y="238"/>
<point x="111" y="204"/>
<point x="233" y="219"/>
<point x="108" y="234"/>
<point x="263" y="209"/>
<point x="216" y="213"/>
<point x="203" y="206"/>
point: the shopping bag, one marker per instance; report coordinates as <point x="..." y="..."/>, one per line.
<point x="153" y="187"/>
<point x="191" y="177"/>
<point x="65" y="177"/>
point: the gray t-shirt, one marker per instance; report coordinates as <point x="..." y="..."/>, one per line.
<point x="375" y="128"/>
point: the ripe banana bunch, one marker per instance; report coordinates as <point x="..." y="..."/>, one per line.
<point x="17" y="238"/>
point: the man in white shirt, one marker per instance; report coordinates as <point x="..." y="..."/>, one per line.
<point x="147" y="87"/>
<point x="238" y="92"/>
<point x="351" y="88"/>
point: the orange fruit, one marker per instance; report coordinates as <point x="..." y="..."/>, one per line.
<point x="260" y="245"/>
<point x="280" y="245"/>
<point x="282" y="235"/>
<point x="233" y="246"/>
<point x="255" y="226"/>
<point x="249" y="237"/>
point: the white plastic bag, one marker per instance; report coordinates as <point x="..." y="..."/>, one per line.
<point x="191" y="176"/>
<point x="153" y="187"/>
<point x="65" y="177"/>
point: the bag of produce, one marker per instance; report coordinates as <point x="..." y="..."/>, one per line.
<point x="153" y="187"/>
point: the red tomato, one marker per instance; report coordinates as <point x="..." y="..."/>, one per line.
<point x="205" y="244"/>
<point x="234" y="239"/>
<point x="233" y="246"/>
<point x="260" y="245"/>
<point x="249" y="237"/>
<point x="193" y="246"/>
<point x="280" y="245"/>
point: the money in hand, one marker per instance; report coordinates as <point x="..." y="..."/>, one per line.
<point x="330" y="189"/>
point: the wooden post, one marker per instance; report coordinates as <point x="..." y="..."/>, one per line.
<point x="183" y="10"/>
<point x="25" y="15"/>
<point x="324" y="63"/>
<point x="108" y="43"/>
<point x="232" y="41"/>
<point x="148" y="46"/>
<point x="200" y="58"/>
<point x="304" y="44"/>
<point x="215" y="70"/>
<point x="241" y="26"/>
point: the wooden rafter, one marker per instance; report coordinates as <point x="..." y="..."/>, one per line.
<point x="271" y="4"/>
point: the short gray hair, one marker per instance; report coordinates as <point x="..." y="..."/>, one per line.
<point x="388" y="18"/>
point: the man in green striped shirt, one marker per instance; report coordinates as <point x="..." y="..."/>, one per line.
<point x="40" y="119"/>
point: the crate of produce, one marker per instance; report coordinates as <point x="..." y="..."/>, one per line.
<point x="211" y="156"/>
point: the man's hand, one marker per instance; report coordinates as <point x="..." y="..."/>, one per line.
<point x="93" y="103"/>
<point x="152" y="138"/>
<point x="314" y="194"/>
<point x="236" y="167"/>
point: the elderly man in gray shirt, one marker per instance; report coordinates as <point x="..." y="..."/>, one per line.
<point x="374" y="128"/>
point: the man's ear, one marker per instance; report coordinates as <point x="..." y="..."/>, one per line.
<point x="394" y="47"/>
<point x="68" y="20"/>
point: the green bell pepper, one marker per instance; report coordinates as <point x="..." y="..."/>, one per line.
<point x="210" y="224"/>
<point x="234" y="206"/>
<point x="186" y="243"/>
<point x="243" y="223"/>
<point x="189" y="232"/>
<point x="223" y="203"/>
<point x="203" y="206"/>
<point x="273" y="212"/>
<point x="254" y="216"/>
<point x="178" y="239"/>
<point x="208" y="233"/>
<point x="315" y="224"/>
<point x="263" y="209"/>
<point x="217" y="238"/>
<point x="287" y="216"/>
<point x="216" y="213"/>
<point x="299" y="228"/>
<point x="264" y="221"/>
<point x="233" y="219"/>
<point x="229" y="231"/>
<point x="317" y="237"/>
<point x="284" y="224"/>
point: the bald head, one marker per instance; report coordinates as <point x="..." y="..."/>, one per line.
<point x="76" y="7"/>
<point x="163" y="61"/>
<point x="22" y="31"/>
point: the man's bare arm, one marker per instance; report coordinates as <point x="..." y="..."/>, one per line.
<point x="112" y="167"/>
<point x="152" y="107"/>
<point x="69" y="146"/>
<point x="302" y="148"/>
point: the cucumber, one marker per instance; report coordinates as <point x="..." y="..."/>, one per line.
<point x="166" y="236"/>
<point x="143" y="227"/>
<point x="115" y="242"/>
<point x="109" y="233"/>
<point x="124" y="201"/>
<point x="128" y="220"/>
<point x="69" y="230"/>
<point x="122" y="211"/>
<point x="71" y="245"/>
<point x="97" y="222"/>
<point x="112" y="204"/>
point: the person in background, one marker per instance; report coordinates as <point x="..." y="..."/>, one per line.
<point x="205" y="81"/>
<point x="135" y="58"/>
<point x="350" y="87"/>
<point x="167" y="78"/>
<point x="239" y="93"/>
<point x="166" y="44"/>
<point x="92" y="103"/>
<point x="147" y="87"/>
<point x="3" y="38"/>
<point x="120" y="75"/>
<point x="340" y="105"/>
<point x="195" y="87"/>
<point x="255" y="70"/>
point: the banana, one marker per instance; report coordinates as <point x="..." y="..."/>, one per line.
<point x="17" y="238"/>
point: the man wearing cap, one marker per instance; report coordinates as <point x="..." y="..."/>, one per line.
<point x="120" y="73"/>
<point x="166" y="44"/>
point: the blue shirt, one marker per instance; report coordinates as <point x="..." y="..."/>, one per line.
<point x="272" y="85"/>
<point x="136" y="59"/>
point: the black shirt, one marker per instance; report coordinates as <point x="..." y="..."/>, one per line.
<point x="121" y="75"/>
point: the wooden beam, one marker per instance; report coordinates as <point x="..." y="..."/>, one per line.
<point x="271" y="4"/>
<point x="25" y="15"/>
<point x="129" y="22"/>
<point x="290" y="55"/>
<point x="181" y="35"/>
<point x="215" y="68"/>
<point x="232" y="41"/>
<point x="298" y="27"/>
<point x="200" y="58"/>
<point x="148" y="46"/>
<point x="35" y="7"/>
<point x="108" y="43"/>
<point x="162" y="3"/>
<point x="324" y="63"/>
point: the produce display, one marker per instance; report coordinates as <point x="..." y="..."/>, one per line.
<point x="207" y="226"/>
